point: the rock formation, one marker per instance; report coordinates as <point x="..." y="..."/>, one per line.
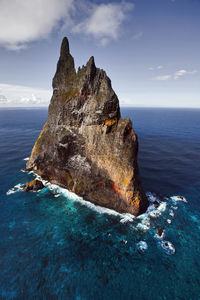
<point x="34" y="185"/>
<point x="85" y="145"/>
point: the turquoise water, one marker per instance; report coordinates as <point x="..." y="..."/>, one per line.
<point x="56" y="246"/>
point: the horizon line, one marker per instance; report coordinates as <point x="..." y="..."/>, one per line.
<point x="121" y="106"/>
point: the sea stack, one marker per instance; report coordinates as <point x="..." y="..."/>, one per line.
<point x="85" y="146"/>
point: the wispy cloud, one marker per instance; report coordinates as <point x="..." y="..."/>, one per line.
<point x="182" y="73"/>
<point x="104" y="21"/>
<point x="17" y="95"/>
<point x="163" y="77"/>
<point x="155" y="68"/>
<point x="177" y="75"/>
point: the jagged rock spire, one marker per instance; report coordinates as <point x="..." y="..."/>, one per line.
<point x="91" y="62"/>
<point x="85" y="146"/>
<point x="65" y="67"/>
<point x="91" y="68"/>
<point x="64" y="49"/>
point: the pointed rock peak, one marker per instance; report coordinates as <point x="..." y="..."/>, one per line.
<point x="91" y="68"/>
<point x="64" y="50"/>
<point x="65" y="68"/>
<point x="91" y="63"/>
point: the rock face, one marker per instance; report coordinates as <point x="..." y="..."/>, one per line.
<point x="85" y="145"/>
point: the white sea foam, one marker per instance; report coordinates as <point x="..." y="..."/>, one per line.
<point x="171" y="213"/>
<point x="150" y="208"/>
<point x="160" y="237"/>
<point x="155" y="210"/>
<point x="169" y="221"/>
<point x="178" y="198"/>
<point x="142" y="246"/>
<point x="162" y="206"/>
<point x="143" y="224"/>
<point x="143" y="220"/>
<point x="155" y="214"/>
<point x="127" y="218"/>
<point x="11" y="191"/>
<point x="72" y="196"/>
<point x="174" y="207"/>
<point x="124" y="242"/>
<point x="16" y="188"/>
<point x="168" y="247"/>
<point x="142" y="227"/>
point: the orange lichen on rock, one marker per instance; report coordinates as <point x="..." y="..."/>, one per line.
<point x="110" y="122"/>
<point x="39" y="140"/>
<point x="31" y="182"/>
<point x="126" y="182"/>
<point x="100" y="198"/>
<point x="137" y="200"/>
<point x="115" y="188"/>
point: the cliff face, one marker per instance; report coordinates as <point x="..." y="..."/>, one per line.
<point x="85" y="145"/>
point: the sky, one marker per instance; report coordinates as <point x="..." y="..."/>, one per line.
<point x="149" y="48"/>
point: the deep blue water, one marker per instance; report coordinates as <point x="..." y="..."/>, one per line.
<point x="54" y="247"/>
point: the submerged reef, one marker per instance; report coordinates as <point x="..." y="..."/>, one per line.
<point x="85" y="145"/>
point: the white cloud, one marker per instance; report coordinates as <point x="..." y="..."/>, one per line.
<point x="175" y="76"/>
<point x="162" y="77"/>
<point x="23" y="21"/>
<point x="155" y="68"/>
<point x="35" y="100"/>
<point x="104" y="21"/>
<point x="182" y="73"/>
<point x="16" y="95"/>
<point x="179" y="74"/>
<point x="3" y="99"/>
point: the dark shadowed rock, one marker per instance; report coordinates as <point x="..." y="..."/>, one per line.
<point x="160" y="231"/>
<point x="85" y="145"/>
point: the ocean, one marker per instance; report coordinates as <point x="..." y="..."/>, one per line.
<point x="55" y="245"/>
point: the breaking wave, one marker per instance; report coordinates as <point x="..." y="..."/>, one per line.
<point x="15" y="189"/>
<point x="155" y="221"/>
